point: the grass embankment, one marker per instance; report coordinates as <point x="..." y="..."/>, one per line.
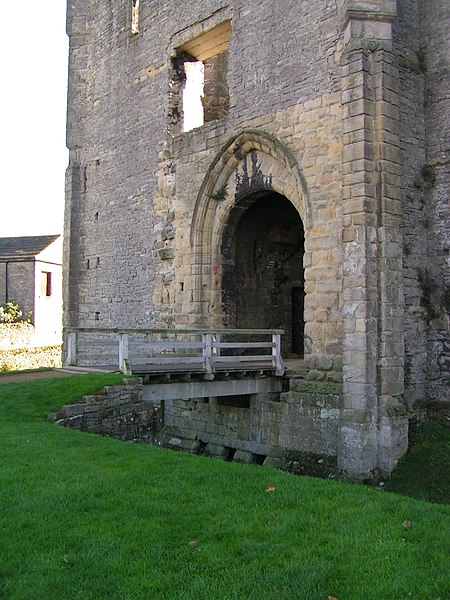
<point x="89" y="517"/>
<point x="424" y="472"/>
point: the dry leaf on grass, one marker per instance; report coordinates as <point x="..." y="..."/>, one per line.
<point x="270" y="488"/>
<point x="406" y="524"/>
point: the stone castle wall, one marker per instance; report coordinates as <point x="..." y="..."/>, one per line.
<point x="435" y="18"/>
<point x="261" y="427"/>
<point x="420" y="45"/>
<point x="156" y="187"/>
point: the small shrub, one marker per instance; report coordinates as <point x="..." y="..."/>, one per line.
<point x="426" y="180"/>
<point x="418" y="183"/>
<point x="221" y="193"/>
<point x="11" y="312"/>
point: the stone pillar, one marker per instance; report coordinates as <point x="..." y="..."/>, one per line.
<point x="372" y="276"/>
<point x="392" y="420"/>
<point x="216" y="100"/>
<point x="71" y="245"/>
<point x="78" y="32"/>
<point x="435" y="22"/>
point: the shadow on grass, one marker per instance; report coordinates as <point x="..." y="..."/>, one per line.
<point x="423" y="472"/>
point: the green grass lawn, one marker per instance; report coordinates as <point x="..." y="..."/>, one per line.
<point x="83" y="516"/>
<point x="424" y="472"/>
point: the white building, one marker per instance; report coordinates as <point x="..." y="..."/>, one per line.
<point x="31" y="273"/>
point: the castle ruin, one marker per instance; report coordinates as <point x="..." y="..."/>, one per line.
<point x="257" y="164"/>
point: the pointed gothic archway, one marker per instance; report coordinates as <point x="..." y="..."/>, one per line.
<point x="254" y="176"/>
<point x="262" y="268"/>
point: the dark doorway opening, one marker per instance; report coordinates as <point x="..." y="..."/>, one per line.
<point x="262" y="283"/>
<point x="298" y="324"/>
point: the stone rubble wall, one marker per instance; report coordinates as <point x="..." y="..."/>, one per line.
<point x="435" y="21"/>
<point x="18" y="350"/>
<point x="296" y="426"/>
<point x="16" y="335"/>
<point x="19" y="359"/>
<point x="419" y="33"/>
<point x="118" y="412"/>
<point x="17" y="282"/>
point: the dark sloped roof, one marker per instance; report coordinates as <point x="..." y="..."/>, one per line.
<point x="24" y="247"/>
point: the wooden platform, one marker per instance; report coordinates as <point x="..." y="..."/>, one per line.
<point x="294" y="367"/>
<point x="199" y="367"/>
<point x="194" y="351"/>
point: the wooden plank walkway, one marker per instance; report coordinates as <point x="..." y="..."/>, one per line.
<point x="190" y="351"/>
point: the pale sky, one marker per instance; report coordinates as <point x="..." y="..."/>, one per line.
<point x="33" y="61"/>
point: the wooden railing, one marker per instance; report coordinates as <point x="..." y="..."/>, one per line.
<point x="176" y="350"/>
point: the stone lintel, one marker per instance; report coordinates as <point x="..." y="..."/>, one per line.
<point x="375" y="10"/>
<point x="376" y="35"/>
<point x="204" y="389"/>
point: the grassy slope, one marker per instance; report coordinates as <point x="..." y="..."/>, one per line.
<point x="424" y="472"/>
<point x="89" y="517"/>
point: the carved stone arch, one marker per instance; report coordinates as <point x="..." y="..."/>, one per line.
<point x="250" y="162"/>
<point x="286" y="177"/>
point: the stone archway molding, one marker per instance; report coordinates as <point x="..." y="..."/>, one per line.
<point x="282" y="172"/>
<point x="259" y="162"/>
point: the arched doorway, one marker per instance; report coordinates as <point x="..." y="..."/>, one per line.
<point x="262" y="267"/>
<point x="254" y="178"/>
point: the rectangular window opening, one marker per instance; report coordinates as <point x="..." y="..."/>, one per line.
<point x="134" y="16"/>
<point x="193" y="95"/>
<point x="199" y="83"/>
<point x="46" y="284"/>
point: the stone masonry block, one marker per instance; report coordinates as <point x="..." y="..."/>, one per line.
<point x="242" y="456"/>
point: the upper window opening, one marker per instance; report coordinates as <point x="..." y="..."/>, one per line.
<point x="46" y="284"/>
<point x="134" y="16"/>
<point x="193" y="95"/>
<point x="200" y="72"/>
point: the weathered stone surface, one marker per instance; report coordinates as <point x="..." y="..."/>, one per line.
<point x="35" y="357"/>
<point x="215" y="450"/>
<point x="242" y="456"/>
<point x="20" y="349"/>
<point x="119" y="412"/>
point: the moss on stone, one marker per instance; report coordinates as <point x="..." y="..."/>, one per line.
<point x="318" y="387"/>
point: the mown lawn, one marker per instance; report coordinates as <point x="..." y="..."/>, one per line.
<point x="424" y="472"/>
<point x="83" y="516"/>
